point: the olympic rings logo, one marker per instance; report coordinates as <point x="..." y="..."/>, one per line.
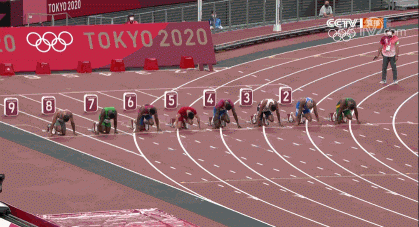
<point x="50" y="44"/>
<point x="341" y="34"/>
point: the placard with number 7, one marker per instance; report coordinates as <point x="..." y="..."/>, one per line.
<point x="209" y="98"/>
<point x="170" y="99"/>
<point x="11" y="107"/>
<point x="130" y="101"/>
<point x="90" y="103"/>
<point x="285" y="95"/>
<point x="48" y="105"/>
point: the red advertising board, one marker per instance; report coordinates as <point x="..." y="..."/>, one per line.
<point x="62" y="47"/>
<point x="76" y="8"/>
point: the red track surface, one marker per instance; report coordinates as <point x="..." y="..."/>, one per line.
<point x="291" y="176"/>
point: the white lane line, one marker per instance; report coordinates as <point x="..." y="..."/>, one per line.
<point x="400" y="178"/>
<point x="265" y="183"/>
<point x="248" y="177"/>
<point x="212" y="147"/>
<point x="188" y="173"/>
<point x="237" y="192"/>
<point x="362" y="135"/>
<point x="345" y="130"/>
<point x="389" y="159"/>
<point x="321" y="137"/>
<point x="403" y="134"/>
<point x="141" y="138"/>
<point x="394" y="124"/>
<point x="172" y="167"/>
<point x="319" y="168"/>
<point x="170" y="149"/>
<point x="197" y="141"/>
<point x="302" y="162"/>
<point x="329" y="189"/>
<point x="292" y="175"/>
<point x="216" y="166"/>
<point x="345" y="160"/>
<point x="329" y="154"/>
<point x="244" y="158"/>
<point x="408" y="165"/>
<point x="296" y="144"/>
<point x="376" y="112"/>
<point x="286" y="156"/>
<point x="386" y="129"/>
<point x="254" y="145"/>
<point x="204" y="179"/>
<point x="381" y="172"/>
<point x="355" y="180"/>
<point x="240" y="72"/>
<point x="156" y="143"/>
<point x="310" y="182"/>
<point x="364" y="166"/>
<point x="359" y="145"/>
<point x="354" y="148"/>
<point x="312" y="149"/>
<point x="372" y="186"/>
<point x="314" y="94"/>
<point x="337" y="142"/>
<point x="259" y="164"/>
<point x="270" y="151"/>
<point x="276" y="170"/>
<point x="238" y="140"/>
<point x="221" y="185"/>
<point x="157" y="162"/>
<point x="232" y="171"/>
<point x="321" y="109"/>
<point x="338" y="174"/>
<point x="283" y="190"/>
<point x="379" y="141"/>
<point x="396" y="146"/>
<point x="200" y="160"/>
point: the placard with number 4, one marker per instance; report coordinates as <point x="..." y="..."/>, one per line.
<point x="209" y="98"/>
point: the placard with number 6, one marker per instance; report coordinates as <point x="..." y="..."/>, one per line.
<point x="90" y="103"/>
<point x="48" y="105"/>
<point x="246" y="97"/>
<point x="130" y="101"/>
<point x="11" y="107"/>
<point x="170" y="99"/>
<point x="209" y="98"/>
<point x="285" y="95"/>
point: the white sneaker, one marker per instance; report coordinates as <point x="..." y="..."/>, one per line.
<point x="383" y="82"/>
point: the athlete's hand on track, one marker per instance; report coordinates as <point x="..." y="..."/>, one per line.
<point x="74" y="133"/>
<point x="238" y="126"/>
<point x="116" y="131"/>
<point x="375" y="58"/>
<point x="49" y="134"/>
<point x="358" y="122"/>
<point x="159" y="129"/>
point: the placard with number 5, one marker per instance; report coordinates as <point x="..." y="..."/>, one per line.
<point x="209" y="98"/>
<point x="285" y="95"/>
<point x="11" y="107"/>
<point x="130" y="101"/>
<point x="246" y="97"/>
<point x="170" y="99"/>
<point x="90" y="103"/>
<point x="48" y="105"/>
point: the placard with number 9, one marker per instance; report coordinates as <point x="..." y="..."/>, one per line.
<point x="246" y="97"/>
<point x="130" y="101"/>
<point x="11" y="106"/>
<point x="170" y="99"/>
<point x="285" y="95"/>
<point x="91" y="103"/>
<point x="209" y="98"/>
<point x="48" y="105"/>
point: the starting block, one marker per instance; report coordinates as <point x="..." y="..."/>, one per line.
<point x="201" y="67"/>
<point x="84" y="67"/>
<point x="254" y="117"/>
<point x="187" y="62"/>
<point x="332" y="117"/>
<point x="151" y="64"/>
<point x="291" y="120"/>
<point x="43" y="68"/>
<point x="6" y="69"/>
<point x="117" y="65"/>
<point x="53" y="130"/>
<point x="211" y="122"/>
<point x="94" y="129"/>
<point x="134" y="126"/>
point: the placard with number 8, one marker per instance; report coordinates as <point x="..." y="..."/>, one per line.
<point x="91" y="103"/>
<point x="130" y="101"/>
<point x="48" y="105"/>
<point x="11" y="106"/>
<point x="285" y="95"/>
<point x="209" y="98"/>
<point x="246" y="97"/>
<point x="170" y="99"/>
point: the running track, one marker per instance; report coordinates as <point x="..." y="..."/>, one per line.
<point x="292" y="176"/>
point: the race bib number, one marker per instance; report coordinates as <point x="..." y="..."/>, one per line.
<point x="388" y="48"/>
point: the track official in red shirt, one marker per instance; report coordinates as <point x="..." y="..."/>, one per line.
<point x="389" y="48"/>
